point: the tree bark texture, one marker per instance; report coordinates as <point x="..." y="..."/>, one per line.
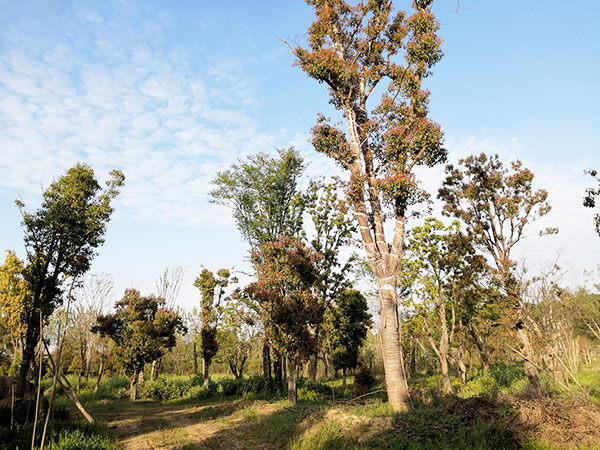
<point x="267" y="368"/>
<point x="292" y="388"/>
<point x="205" y="371"/>
<point x="482" y="347"/>
<point x="312" y="367"/>
<point x="530" y="368"/>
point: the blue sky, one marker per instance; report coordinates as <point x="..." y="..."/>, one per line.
<point x="171" y="92"/>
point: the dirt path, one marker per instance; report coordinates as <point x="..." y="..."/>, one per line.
<point x="226" y="425"/>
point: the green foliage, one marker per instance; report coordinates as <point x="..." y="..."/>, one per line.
<point x="262" y="192"/>
<point x="141" y="328"/>
<point x="285" y="295"/>
<point x="347" y="325"/>
<point x="363" y="380"/>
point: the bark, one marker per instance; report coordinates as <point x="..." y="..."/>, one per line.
<point x="292" y="388"/>
<point x="195" y="356"/>
<point x="31" y="339"/>
<point x="530" y="368"/>
<point x="482" y="347"/>
<point x="312" y="367"/>
<point x="326" y="364"/>
<point x="64" y="382"/>
<point x="277" y="371"/>
<point x="100" y="372"/>
<point x="154" y="369"/>
<point x="205" y="371"/>
<point x="267" y="368"/>
<point x="133" y="386"/>
<point x="391" y="348"/>
<point x="141" y="378"/>
<point x="344" y="380"/>
<point x="413" y="361"/>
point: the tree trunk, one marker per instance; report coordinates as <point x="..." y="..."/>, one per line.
<point x="344" y="381"/>
<point x="312" y="367"/>
<point x="141" y="378"/>
<point x="267" y="368"/>
<point x="326" y="365"/>
<point x="391" y="348"/>
<point x="31" y="339"/>
<point x="205" y="372"/>
<point x="133" y="386"/>
<point x="277" y="372"/>
<point x="154" y="370"/>
<point x="413" y="361"/>
<point x="292" y="388"/>
<point x="195" y="355"/>
<point x="530" y="368"/>
<point x="100" y="373"/>
<point x="482" y="347"/>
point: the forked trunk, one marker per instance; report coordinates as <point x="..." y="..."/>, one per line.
<point x="482" y="347"/>
<point x="292" y="388"/>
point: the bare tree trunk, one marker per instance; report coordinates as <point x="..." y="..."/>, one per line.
<point x="326" y="365"/>
<point x="141" y="378"/>
<point x="482" y="347"/>
<point x="312" y="367"/>
<point x="391" y="348"/>
<point x="277" y="372"/>
<point x="530" y="368"/>
<point x="100" y="372"/>
<point x="413" y="361"/>
<point x="133" y="386"/>
<point x="205" y="371"/>
<point x="267" y="368"/>
<point x="31" y="339"/>
<point x="154" y="370"/>
<point x="344" y="381"/>
<point x="292" y="388"/>
<point x="195" y="356"/>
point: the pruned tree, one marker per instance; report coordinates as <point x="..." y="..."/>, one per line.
<point x="496" y="204"/>
<point x="288" y="304"/>
<point x="61" y="238"/>
<point x="142" y="329"/>
<point x="212" y="290"/>
<point x="591" y="194"/>
<point x="347" y="325"/>
<point x="353" y="49"/>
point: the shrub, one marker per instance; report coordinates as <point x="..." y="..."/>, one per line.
<point x="306" y="394"/>
<point x="231" y="386"/>
<point x="198" y="393"/>
<point x="167" y="389"/>
<point x="363" y="380"/>
<point x="254" y="384"/>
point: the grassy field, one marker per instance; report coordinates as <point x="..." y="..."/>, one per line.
<point x="488" y="414"/>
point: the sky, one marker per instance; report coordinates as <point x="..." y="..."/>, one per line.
<point x="172" y="92"/>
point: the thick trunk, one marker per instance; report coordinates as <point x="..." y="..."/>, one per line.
<point x="530" y="368"/>
<point x="292" y="388"/>
<point x="267" y="368"/>
<point x="482" y="347"/>
<point x="205" y="371"/>
<point x="312" y="367"/>
<point x="391" y="348"/>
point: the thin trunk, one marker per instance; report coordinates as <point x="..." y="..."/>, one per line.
<point x="312" y="367"/>
<point x="100" y="372"/>
<point x="482" y="347"/>
<point x="133" y="386"/>
<point x="267" y="368"/>
<point x="195" y="355"/>
<point x="154" y="370"/>
<point x="292" y="388"/>
<point x="205" y="371"/>
<point x="141" y="378"/>
<point x="344" y="381"/>
<point x="326" y="365"/>
<point x="413" y="361"/>
<point x="444" y="342"/>
<point x="277" y="371"/>
<point x="530" y="368"/>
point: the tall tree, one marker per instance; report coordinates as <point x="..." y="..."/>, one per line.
<point x="289" y="306"/>
<point x="352" y="49"/>
<point x="212" y="290"/>
<point x="142" y="329"/>
<point x="589" y="200"/>
<point x="263" y="194"/>
<point x="61" y="238"/>
<point x="347" y="324"/>
<point x="496" y="203"/>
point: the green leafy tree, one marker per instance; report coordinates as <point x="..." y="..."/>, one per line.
<point x="142" y="329"/>
<point x="333" y="227"/>
<point x="354" y="49"/>
<point x="347" y="325"/>
<point x="263" y="195"/>
<point x="61" y="238"/>
<point x="497" y="203"/>
<point x="288" y="303"/>
<point x="212" y="290"/>
<point x="14" y="296"/>
<point x="440" y="265"/>
<point x="591" y="194"/>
